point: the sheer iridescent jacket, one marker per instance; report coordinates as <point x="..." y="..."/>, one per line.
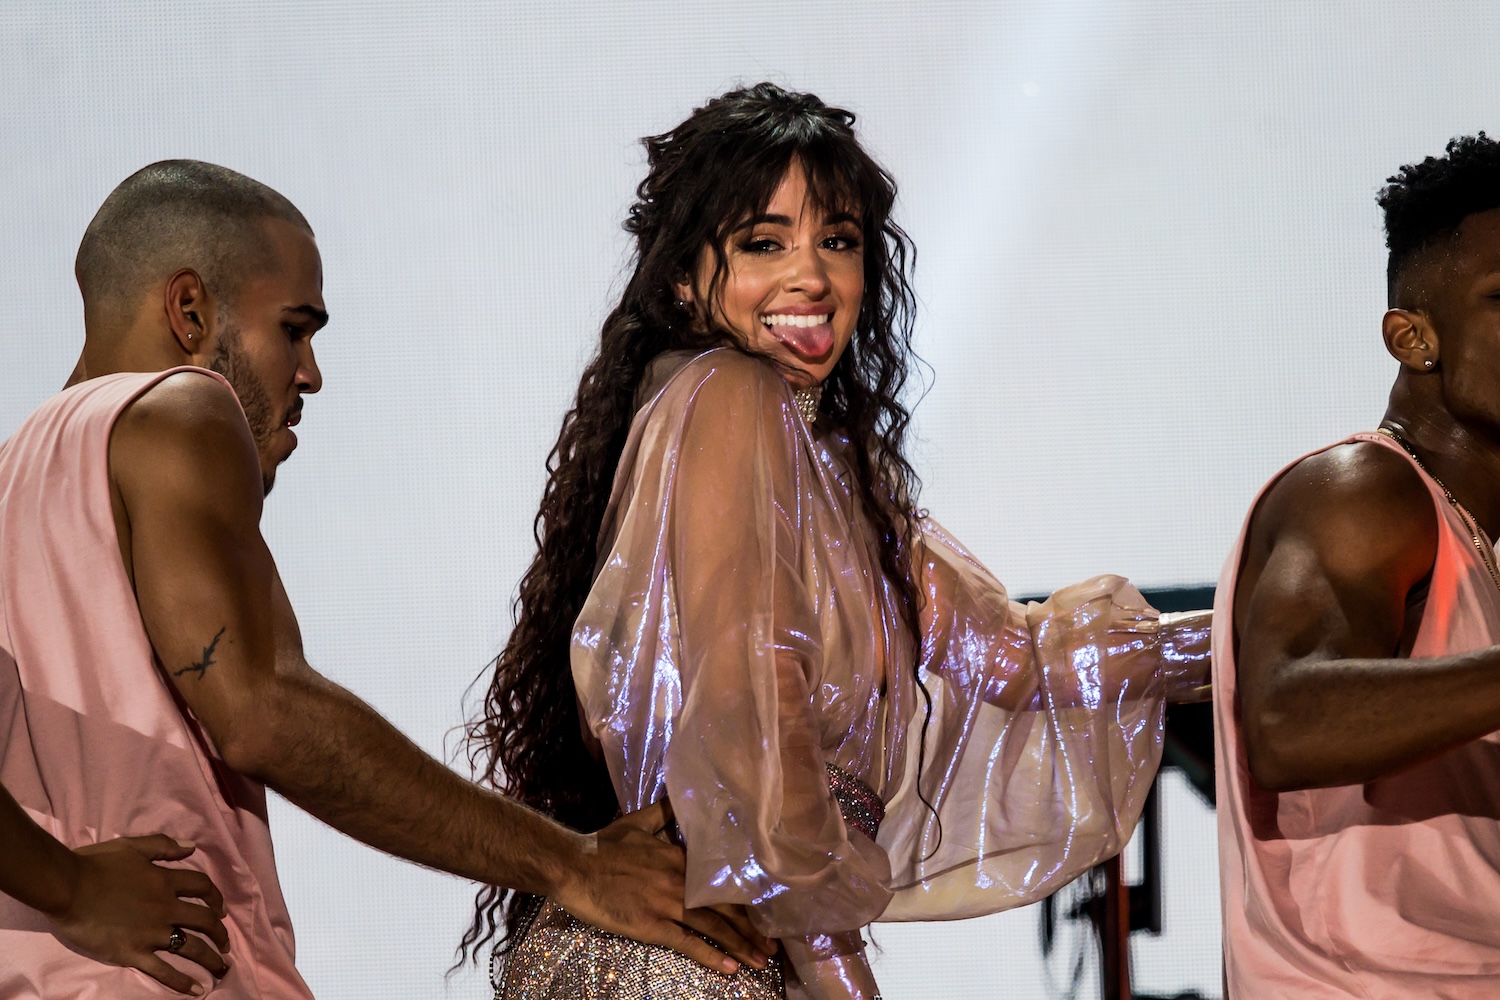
<point x="740" y="634"/>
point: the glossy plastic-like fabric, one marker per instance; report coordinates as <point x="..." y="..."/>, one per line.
<point x="740" y="633"/>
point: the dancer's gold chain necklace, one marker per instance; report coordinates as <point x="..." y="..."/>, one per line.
<point x="1481" y="543"/>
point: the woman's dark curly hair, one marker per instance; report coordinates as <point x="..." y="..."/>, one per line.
<point x="718" y="168"/>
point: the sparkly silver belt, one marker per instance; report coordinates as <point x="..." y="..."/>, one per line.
<point x="858" y="803"/>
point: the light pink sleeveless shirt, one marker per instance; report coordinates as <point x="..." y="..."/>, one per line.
<point x="94" y="742"/>
<point x="1385" y="890"/>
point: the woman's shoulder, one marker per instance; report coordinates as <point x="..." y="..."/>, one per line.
<point x="720" y="377"/>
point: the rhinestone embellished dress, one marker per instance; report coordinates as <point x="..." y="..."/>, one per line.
<point x="740" y="638"/>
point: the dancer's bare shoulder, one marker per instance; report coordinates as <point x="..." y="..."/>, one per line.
<point x="1355" y="509"/>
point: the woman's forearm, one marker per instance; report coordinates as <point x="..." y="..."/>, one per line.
<point x="829" y="967"/>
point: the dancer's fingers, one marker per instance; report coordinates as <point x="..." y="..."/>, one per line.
<point x="197" y="885"/>
<point x="731" y="931"/>
<point x="670" y="935"/>
<point x="198" y="951"/>
<point x="159" y="847"/>
<point x="169" y="977"/>
<point x="650" y="819"/>
<point x="204" y="921"/>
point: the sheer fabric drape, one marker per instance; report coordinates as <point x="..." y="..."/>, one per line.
<point x="740" y="634"/>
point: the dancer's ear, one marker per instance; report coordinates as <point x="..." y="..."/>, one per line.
<point x="1411" y="339"/>
<point x="190" y="311"/>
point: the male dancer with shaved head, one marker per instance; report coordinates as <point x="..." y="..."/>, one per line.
<point x="1356" y="666"/>
<point x="151" y="669"/>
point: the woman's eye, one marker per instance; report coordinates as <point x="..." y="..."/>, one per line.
<point x="292" y="330"/>
<point x="763" y="245"/>
<point x="841" y="243"/>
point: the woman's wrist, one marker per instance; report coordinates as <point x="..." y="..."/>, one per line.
<point x="1185" y="646"/>
<point x="829" y="965"/>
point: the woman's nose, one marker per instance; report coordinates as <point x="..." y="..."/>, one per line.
<point x="808" y="272"/>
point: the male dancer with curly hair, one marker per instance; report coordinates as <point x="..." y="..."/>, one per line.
<point x="1356" y="671"/>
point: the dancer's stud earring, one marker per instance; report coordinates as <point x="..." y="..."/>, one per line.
<point x="1427" y="364"/>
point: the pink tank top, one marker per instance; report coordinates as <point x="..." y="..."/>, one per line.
<point x="94" y="742"/>
<point x="1385" y="890"/>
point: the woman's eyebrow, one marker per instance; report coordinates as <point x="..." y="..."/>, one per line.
<point x="764" y="219"/>
<point x="833" y="218"/>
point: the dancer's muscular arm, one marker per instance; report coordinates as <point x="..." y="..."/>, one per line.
<point x="187" y="475"/>
<point x="1334" y="551"/>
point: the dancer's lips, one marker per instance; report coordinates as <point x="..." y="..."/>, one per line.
<point x="293" y="421"/>
<point x="809" y="335"/>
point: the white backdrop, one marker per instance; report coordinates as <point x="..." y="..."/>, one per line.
<point x="1150" y="269"/>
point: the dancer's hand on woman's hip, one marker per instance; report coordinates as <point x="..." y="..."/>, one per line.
<point x="631" y="883"/>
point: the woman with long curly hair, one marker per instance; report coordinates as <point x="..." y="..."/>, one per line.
<point x="736" y="604"/>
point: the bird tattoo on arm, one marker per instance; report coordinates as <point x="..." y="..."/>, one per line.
<point x="206" y="661"/>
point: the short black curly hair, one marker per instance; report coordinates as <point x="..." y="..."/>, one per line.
<point x="1426" y="202"/>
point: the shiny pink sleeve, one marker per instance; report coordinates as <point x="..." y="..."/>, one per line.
<point x="1045" y="735"/>
<point x="695" y="655"/>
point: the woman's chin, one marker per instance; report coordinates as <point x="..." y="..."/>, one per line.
<point x="799" y="377"/>
<point x="801" y="371"/>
